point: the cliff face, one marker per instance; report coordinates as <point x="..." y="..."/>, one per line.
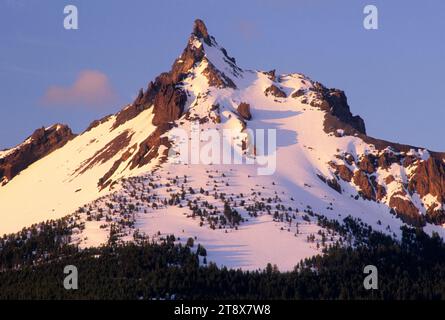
<point x="42" y="142"/>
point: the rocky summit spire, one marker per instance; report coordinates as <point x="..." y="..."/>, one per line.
<point x="166" y="94"/>
<point x="200" y="31"/>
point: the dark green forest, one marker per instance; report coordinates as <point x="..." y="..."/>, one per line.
<point x="32" y="266"/>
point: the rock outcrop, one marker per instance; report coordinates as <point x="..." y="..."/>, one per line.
<point x="41" y="143"/>
<point x="298" y="93"/>
<point x="366" y="190"/>
<point x="217" y="78"/>
<point x="244" y="110"/>
<point x="342" y="171"/>
<point x="168" y="104"/>
<point x="271" y="75"/>
<point x="275" y="91"/>
<point x="200" y="31"/>
<point x="338" y="114"/>
<point x="429" y="178"/>
<point x="406" y="210"/>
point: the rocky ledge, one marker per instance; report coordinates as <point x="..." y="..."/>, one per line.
<point x="41" y="143"/>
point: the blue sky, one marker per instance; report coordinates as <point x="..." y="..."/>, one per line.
<point x="393" y="76"/>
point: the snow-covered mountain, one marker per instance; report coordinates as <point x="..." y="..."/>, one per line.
<point x="122" y="178"/>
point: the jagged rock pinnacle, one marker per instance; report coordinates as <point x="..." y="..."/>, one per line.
<point x="200" y="31"/>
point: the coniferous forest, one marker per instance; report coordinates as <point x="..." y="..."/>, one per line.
<point x="32" y="267"/>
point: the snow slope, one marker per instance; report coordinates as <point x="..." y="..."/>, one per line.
<point x="52" y="187"/>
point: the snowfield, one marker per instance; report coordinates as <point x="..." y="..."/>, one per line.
<point x="252" y="246"/>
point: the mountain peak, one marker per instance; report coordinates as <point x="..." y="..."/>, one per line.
<point x="322" y="156"/>
<point x="200" y="31"/>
